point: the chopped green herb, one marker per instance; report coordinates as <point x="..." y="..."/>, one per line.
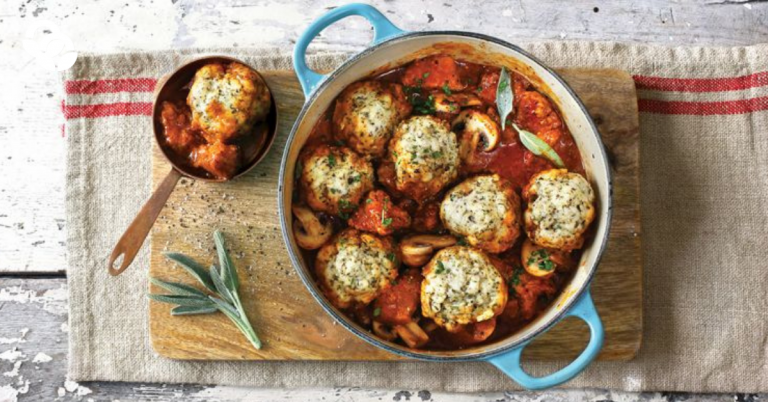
<point x="377" y="311"/>
<point x="462" y="240"/>
<point x="386" y="221"/>
<point x="331" y="161"/>
<point x="368" y="201"/>
<point x="425" y="75"/>
<point x="437" y="154"/>
<point x="440" y="267"/>
<point x="446" y="90"/>
<point x="420" y="103"/>
<point x="541" y="259"/>
<point x="514" y="280"/>
<point x="391" y="257"/>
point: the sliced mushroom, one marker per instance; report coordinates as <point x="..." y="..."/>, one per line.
<point x="412" y="334"/>
<point x="418" y="250"/>
<point x="383" y="331"/>
<point x="454" y="102"/>
<point x="537" y="260"/>
<point x="310" y="233"/>
<point x="479" y="130"/>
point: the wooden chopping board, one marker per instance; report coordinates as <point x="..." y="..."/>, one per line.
<point x="292" y="324"/>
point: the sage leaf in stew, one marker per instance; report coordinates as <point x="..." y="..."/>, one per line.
<point x="538" y="147"/>
<point x="222" y="281"/>
<point x="505" y="97"/>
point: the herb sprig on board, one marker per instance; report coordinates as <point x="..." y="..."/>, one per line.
<point x="223" y="282"/>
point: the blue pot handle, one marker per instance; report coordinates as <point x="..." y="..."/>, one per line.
<point x="382" y="29"/>
<point x="509" y="362"/>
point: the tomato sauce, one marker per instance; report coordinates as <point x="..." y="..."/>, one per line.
<point x="424" y="80"/>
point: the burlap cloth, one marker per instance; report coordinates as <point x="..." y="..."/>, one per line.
<point x="704" y="209"/>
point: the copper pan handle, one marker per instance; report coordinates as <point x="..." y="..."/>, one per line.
<point x="130" y="244"/>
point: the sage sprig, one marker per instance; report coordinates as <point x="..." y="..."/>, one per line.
<point x="222" y="281"/>
<point x="505" y="96"/>
<point x="538" y="147"/>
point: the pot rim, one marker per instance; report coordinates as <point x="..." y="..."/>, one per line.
<point x="308" y="280"/>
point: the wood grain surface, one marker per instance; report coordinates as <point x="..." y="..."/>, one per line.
<point x="289" y="321"/>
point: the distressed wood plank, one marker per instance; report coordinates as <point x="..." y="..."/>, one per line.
<point x="22" y="339"/>
<point x="277" y="301"/>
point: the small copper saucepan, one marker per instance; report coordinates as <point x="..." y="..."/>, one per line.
<point x="254" y="147"/>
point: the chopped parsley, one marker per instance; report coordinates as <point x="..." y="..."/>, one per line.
<point x="462" y="240"/>
<point x="331" y="161"/>
<point x="436" y="154"/>
<point x="377" y="311"/>
<point x="354" y="179"/>
<point x="386" y="221"/>
<point x="541" y="259"/>
<point x="391" y="257"/>
<point x="345" y="208"/>
<point x="446" y="90"/>
<point x="440" y="267"/>
<point x="368" y="201"/>
<point x="421" y="104"/>
<point x="425" y="75"/>
<point x="514" y="280"/>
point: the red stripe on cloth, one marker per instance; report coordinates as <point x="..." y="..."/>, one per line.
<point x="702" y="84"/>
<point x="703" y="108"/>
<point x="110" y="86"/>
<point x="108" y="109"/>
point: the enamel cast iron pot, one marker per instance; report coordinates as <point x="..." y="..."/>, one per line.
<point x="393" y="47"/>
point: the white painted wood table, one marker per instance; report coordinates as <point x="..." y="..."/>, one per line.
<point x="33" y="301"/>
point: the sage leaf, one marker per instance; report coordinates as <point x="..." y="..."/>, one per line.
<point x="178" y="288"/>
<point x="538" y="147"/>
<point x="223" y="282"/>
<point x="240" y="320"/>
<point x="505" y="96"/>
<point x="221" y="288"/>
<point x="195" y="269"/>
<point x="188" y="301"/>
<point x="228" y="271"/>
<point x="186" y="310"/>
<point x="225" y="307"/>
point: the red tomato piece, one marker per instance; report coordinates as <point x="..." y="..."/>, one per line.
<point x="397" y="304"/>
<point x="475" y="333"/>
<point x="379" y="215"/>
<point x="427" y="218"/>
<point x="536" y="114"/>
<point x="529" y="290"/>
<point x="219" y="159"/>
<point x="176" y="127"/>
<point x="434" y="72"/>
